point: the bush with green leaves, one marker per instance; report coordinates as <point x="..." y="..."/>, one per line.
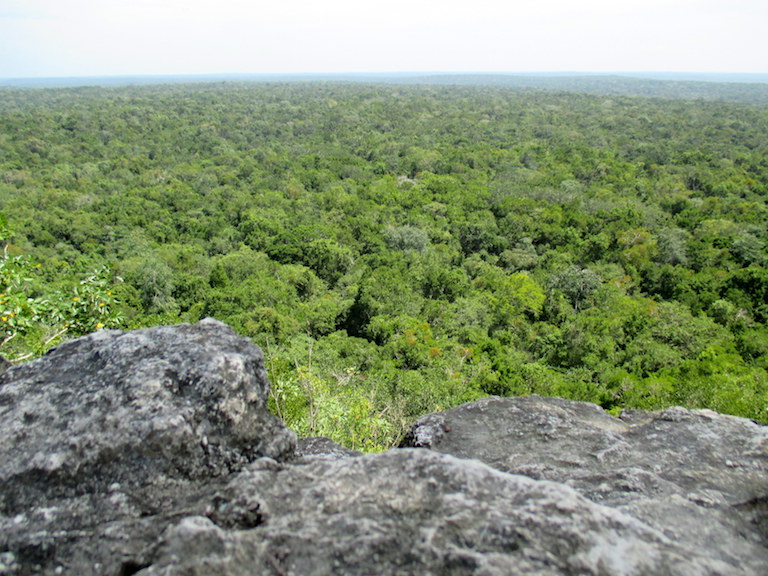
<point x="31" y="321"/>
<point x="335" y="407"/>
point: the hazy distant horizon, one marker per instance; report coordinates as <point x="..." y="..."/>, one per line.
<point x="148" y="79"/>
<point x="141" y="38"/>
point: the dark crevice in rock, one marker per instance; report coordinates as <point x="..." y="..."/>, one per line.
<point x="756" y="510"/>
<point x="229" y="514"/>
<point x="131" y="567"/>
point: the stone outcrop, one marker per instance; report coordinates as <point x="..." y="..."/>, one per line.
<point x="699" y="477"/>
<point x="117" y="425"/>
<point x="411" y="512"/>
<point x="152" y="453"/>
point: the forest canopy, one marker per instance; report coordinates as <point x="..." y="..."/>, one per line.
<point x="397" y="250"/>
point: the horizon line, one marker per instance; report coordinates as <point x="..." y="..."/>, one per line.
<point x="115" y="80"/>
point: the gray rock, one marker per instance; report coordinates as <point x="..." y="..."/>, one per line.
<point x="414" y="512"/>
<point x="699" y="477"/>
<point x="126" y="425"/>
<point x="152" y="453"/>
<point x="322" y="447"/>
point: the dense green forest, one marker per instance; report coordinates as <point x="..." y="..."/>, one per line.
<point x="736" y="89"/>
<point x="397" y="250"/>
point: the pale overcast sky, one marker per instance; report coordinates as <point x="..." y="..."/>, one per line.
<point x="41" y="38"/>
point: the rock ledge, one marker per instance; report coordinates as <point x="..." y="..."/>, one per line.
<point x="152" y="452"/>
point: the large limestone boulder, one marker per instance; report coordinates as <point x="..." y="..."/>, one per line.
<point x="117" y="424"/>
<point x="181" y="402"/>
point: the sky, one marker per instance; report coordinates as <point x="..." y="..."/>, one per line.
<point x="71" y="38"/>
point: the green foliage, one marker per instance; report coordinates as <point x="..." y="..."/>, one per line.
<point x="30" y="324"/>
<point x="401" y="250"/>
<point x="576" y="284"/>
<point x="91" y="305"/>
<point x="407" y="238"/>
<point x="336" y="402"/>
<point x="334" y="408"/>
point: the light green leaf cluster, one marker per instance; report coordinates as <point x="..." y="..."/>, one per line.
<point x="30" y="324"/>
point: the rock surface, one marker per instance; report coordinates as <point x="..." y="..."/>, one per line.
<point x="699" y="477"/>
<point x="321" y="447"/>
<point x="152" y="453"/>
<point x="412" y="512"/>
<point x="117" y="424"/>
